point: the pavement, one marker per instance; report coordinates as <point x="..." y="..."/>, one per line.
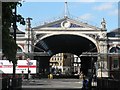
<point x="52" y="84"/>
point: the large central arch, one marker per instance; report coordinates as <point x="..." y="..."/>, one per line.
<point x="68" y="43"/>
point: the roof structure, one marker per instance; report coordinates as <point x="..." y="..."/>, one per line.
<point x="114" y="33"/>
<point x="117" y="30"/>
<point x="71" y="23"/>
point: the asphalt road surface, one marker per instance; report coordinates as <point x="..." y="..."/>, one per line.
<point x="52" y="84"/>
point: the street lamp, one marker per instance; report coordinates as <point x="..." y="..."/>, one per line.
<point x="28" y="62"/>
<point x="28" y="23"/>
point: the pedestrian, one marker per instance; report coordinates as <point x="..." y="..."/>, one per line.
<point x="22" y="75"/>
<point x="81" y="76"/>
<point x="85" y="84"/>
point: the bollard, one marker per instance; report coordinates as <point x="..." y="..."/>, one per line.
<point x="51" y="76"/>
<point x="10" y="83"/>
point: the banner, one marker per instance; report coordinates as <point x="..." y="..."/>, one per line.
<point x="22" y="66"/>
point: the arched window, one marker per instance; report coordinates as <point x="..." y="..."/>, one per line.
<point x="115" y="50"/>
<point x="115" y="59"/>
<point x="19" y="49"/>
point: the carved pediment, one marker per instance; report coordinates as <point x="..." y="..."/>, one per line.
<point x="67" y="23"/>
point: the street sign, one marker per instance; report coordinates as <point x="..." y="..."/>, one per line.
<point x="28" y="60"/>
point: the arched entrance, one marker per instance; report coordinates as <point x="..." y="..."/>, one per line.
<point x="67" y="43"/>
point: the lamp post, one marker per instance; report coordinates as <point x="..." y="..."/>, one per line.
<point x="28" y="23"/>
<point x="28" y="62"/>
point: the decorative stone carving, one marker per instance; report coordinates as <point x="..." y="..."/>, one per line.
<point x="103" y="24"/>
<point x="104" y="35"/>
<point x="65" y="24"/>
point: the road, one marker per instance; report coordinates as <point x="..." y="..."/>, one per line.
<point x="52" y="84"/>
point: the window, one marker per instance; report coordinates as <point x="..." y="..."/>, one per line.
<point x="75" y="59"/>
<point x="19" y="49"/>
<point x="115" y="50"/>
<point x="115" y="64"/>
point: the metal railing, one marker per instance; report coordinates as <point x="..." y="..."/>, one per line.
<point x="11" y="83"/>
<point x="108" y="83"/>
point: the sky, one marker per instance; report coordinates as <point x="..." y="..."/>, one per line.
<point x="90" y="12"/>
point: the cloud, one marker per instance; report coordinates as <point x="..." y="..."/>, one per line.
<point x="86" y="16"/>
<point x="106" y="0"/>
<point x="71" y="0"/>
<point x="105" y="6"/>
<point x="84" y="0"/>
<point x="113" y="12"/>
<point x="67" y="0"/>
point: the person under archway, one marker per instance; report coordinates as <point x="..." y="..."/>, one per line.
<point x="85" y="83"/>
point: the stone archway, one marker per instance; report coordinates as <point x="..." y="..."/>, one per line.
<point x="68" y="43"/>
